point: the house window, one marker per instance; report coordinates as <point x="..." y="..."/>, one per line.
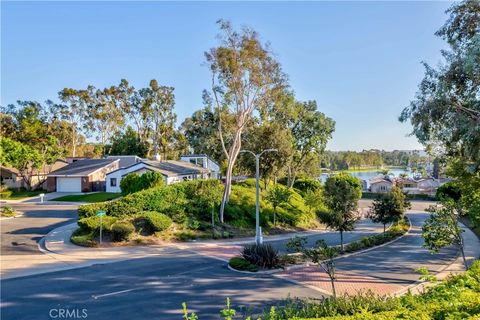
<point x="200" y="162"/>
<point x="113" y="182"/>
<point x="193" y="161"/>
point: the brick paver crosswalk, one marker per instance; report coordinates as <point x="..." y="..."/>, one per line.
<point x="346" y="282"/>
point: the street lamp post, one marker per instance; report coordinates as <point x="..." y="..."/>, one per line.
<point x="258" y="230"/>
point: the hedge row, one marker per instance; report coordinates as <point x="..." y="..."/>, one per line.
<point x="186" y="201"/>
<point x="399" y="228"/>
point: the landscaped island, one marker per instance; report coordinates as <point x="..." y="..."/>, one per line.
<point x="188" y="210"/>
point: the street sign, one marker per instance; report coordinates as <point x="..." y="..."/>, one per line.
<point x="101" y="214"/>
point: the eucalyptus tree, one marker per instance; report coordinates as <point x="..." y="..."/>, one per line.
<point x="245" y="78"/>
<point x="74" y="110"/>
<point x="106" y="113"/>
<point x="156" y="103"/>
<point x="445" y="112"/>
<point x="310" y="130"/>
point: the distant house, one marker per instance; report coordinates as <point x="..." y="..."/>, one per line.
<point x="126" y="161"/>
<point x="82" y="176"/>
<point x="381" y="184"/>
<point x="12" y="179"/>
<point x="203" y="161"/>
<point x="172" y="171"/>
<point x="406" y="183"/>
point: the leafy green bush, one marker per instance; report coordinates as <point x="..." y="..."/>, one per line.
<point x="296" y="244"/>
<point x="5" y="194"/>
<point x="7" y="211"/>
<point x="121" y="231"/>
<point x="156" y="221"/>
<point x="241" y="264"/>
<point x="134" y="182"/>
<point x="92" y="224"/>
<point x="397" y="229"/>
<point x="263" y="255"/>
<point x="83" y="238"/>
<point x="305" y="184"/>
<point x="190" y="201"/>
<point x="90" y="210"/>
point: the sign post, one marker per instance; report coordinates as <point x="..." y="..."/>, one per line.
<point x="100" y="214"/>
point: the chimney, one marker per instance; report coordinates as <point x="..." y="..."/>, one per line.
<point x="156" y="157"/>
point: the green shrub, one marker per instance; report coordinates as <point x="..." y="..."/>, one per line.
<point x="354" y="246"/>
<point x="263" y="255"/>
<point x="241" y="264"/>
<point x="90" y="210"/>
<point x="134" y="182"/>
<point x="5" y="194"/>
<point x="83" y="238"/>
<point x="366" y="242"/>
<point x="156" y="221"/>
<point x="92" y="224"/>
<point x="296" y="244"/>
<point x="121" y="231"/>
<point x="7" y="211"/>
<point x="304" y="185"/>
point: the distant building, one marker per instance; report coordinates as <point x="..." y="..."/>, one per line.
<point x="203" y="161"/>
<point x="12" y="179"/>
<point x="173" y="171"/>
<point x="381" y="184"/>
<point x="81" y="176"/>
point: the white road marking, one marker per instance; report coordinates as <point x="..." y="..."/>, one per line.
<point x="113" y="293"/>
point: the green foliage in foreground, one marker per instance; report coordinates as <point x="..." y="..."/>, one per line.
<point x="458" y="297"/>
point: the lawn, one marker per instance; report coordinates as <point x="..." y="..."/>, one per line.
<point x="91" y="197"/>
<point x="16" y="195"/>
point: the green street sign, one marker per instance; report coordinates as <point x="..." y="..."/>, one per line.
<point x="101" y="213"/>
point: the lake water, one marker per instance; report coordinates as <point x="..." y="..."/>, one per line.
<point x="367" y="175"/>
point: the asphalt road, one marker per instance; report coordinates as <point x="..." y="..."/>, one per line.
<point x="20" y="236"/>
<point x="396" y="263"/>
<point x="363" y="228"/>
<point x="155" y="287"/>
<point x="147" y="288"/>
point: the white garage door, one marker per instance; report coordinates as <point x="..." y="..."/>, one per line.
<point x="69" y="185"/>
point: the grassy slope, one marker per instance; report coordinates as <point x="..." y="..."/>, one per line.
<point x="92" y="197"/>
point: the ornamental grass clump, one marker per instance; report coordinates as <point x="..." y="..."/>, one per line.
<point x="262" y="255"/>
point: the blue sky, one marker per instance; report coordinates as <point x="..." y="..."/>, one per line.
<point x="359" y="60"/>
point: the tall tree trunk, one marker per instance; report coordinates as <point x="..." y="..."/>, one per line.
<point x="275" y="216"/>
<point x="74" y="143"/>
<point x="332" y="281"/>
<point x="291" y="177"/>
<point x="232" y="158"/>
